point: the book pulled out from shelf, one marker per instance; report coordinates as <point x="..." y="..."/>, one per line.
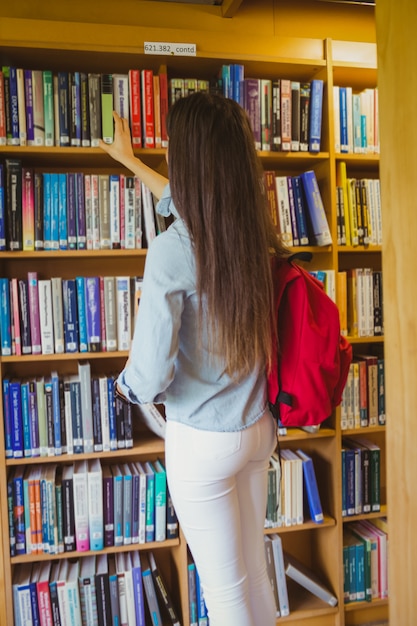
<point x="152" y="417"/>
<point x="305" y="577"/>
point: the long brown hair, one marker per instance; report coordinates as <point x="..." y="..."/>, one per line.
<point x="217" y="186"/>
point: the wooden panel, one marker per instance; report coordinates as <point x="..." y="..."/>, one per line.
<point x="397" y="76"/>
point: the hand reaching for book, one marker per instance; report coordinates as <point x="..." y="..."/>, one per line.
<point x="121" y="149"/>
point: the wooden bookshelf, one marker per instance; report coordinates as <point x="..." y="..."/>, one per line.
<point x="100" y="46"/>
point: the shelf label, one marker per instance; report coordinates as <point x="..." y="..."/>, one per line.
<point x="172" y="49"/>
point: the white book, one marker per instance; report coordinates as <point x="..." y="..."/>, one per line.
<point x="104" y="410"/>
<point x="58" y="314"/>
<point x="121" y="95"/>
<point x="114" y="201"/>
<point x="129" y="208"/>
<point x="142" y="502"/>
<point x="305" y="577"/>
<point x="21" y="596"/>
<point x="280" y="574"/>
<point x="95" y="211"/>
<point x="110" y="313"/>
<point x="270" y="568"/>
<point x="73" y="594"/>
<point x="297" y="515"/>
<point x="68" y="415"/>
<point x="121" y="582"/>
<point x="276" y="463"/>
<point x="124" y="313"/>
<point x="130" y="593"/>
<point x="84" y="375"/>
<point x="95" y="504"/>
<point x="286" y="492"/>
<point x="150" y="415"/>
<point x="62" y="592"/>
<point x="80" y="483"/>
<point x="138" y="213"/>
<point x="46" y="316"/>
<point x="284" y="213"/>
<point x="336" y="117"/>
<point x="88" y="203"/>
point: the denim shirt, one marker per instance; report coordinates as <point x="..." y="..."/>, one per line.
<point x="169" y="358"/>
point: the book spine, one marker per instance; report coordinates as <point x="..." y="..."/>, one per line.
<point x="13" y="168"/>
<point x="33" y="296"/>
<point x="107" y="107"/>
<point x="5" y="318"/>
<point x="316" y="210"/>
<point x="63" y="109"/>
<point x="80" y="212"/>
<point x="46" y="316"/>
<point x="80" y="485"/>
<point x="316" y="107"/>
<point x="85" y="114"/>
<point x="123" y="312"/>
<point x="48" y="107"/>
<point x="135" y="108"/>
<point x="69" y="300"/>
<point x="28" y="210"/>
<point x="148" y="126"/>
<point x="81" y="314"/>
<point x="94" y="107"/>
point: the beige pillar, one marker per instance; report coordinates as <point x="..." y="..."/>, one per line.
<point x="397" y="79"/>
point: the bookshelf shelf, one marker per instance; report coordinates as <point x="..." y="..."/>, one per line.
<point x="99" y="47"/>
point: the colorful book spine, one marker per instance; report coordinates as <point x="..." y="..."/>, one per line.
<point x="28" y="209"/>
<point x="92" y="300"/>
<point x="33" y="295"/>
<point x="5" y="318"/>
<point x="82" y="314"/>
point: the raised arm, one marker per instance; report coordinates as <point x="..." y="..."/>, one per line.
<point x="121" y="150"/>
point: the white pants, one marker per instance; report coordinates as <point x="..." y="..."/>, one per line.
<point x="218" y="484"/>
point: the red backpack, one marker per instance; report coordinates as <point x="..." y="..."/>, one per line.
<point x="312" y="362"/>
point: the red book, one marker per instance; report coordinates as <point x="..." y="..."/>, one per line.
<point x="163" y="93"/>
<point x="135" y="108"/>
<point x="148" y="109"/>
<point x="157" y="111"/>
<point x="44" y="598"/>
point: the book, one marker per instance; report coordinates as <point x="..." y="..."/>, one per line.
<point x="46" y="316"/>
<point x="150" y="502"/>
<point x="150" y="592"/>
<point x="152" y="417"/>
<point x="281" y="581"/>
<point x="87" y="590"/>
<point x="69" y="302"/>
<point x="160" y="500"/>
<point x="102" y="590"/>
<point x="316" y="107"/>
<point x="135" y="107"/>
<point x="192" y="592"/>
<point x="305" y="577"/>
<point x="124" y="312"/>
<point x="107" y="108"/>
<point x="317" y="215"/>
<point x="311" y="487"/>
<point x="5" y="318"/>
<point x="13" y="203"/>
<point x="163" y="592"/>
<point x="95" y="504"/>
<point x="270" y="568"/>
<point x="148" y="114"/>
<point x="93" y="307"/>
<point x="80" y="486"/>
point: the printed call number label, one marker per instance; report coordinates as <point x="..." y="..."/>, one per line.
<point x="173" y="49"/>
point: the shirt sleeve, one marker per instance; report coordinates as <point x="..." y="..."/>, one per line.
<point x="151" y="365"/>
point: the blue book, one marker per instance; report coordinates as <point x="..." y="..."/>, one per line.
<point x="33" y="416"/>
<point x="138" y="592"/>
<point x="34" y="594"/>
<point x="150" y="502"/>
<point x="112" y="412"/>
<point x="56" y="412"/>
<point x="69" y="298"/>
<point x="72" y="210"/>
<point x="47" y="211"/>
<point x="2" y="211"/>
<point x="63" y="109"/>
<point x="117" y="504"/>
<point x="7" y="418"/>
<point x="317" y="215"/>
<point x="82" y="314"/>
<point x="311" y="488"/>
<point x="93" y="313"/>
<point x="127" y="504"/>
<point x="316" y="108"/>
<point x="54" y="211"/>
<point x="238" y="75"/>
<point x="49" y="416"/>
<point x="349" y="463"/>
<point x="62" y="212"/>
<point x="300" y="214"/>
<point x="5" y="318"/>
<point x="80" y="212"/>
<point x="27" y="443"/>
<point x="19" y="511"/>
<point x="201" y="604"/>
<point x="344" y="141"/>
<point x="192" y="593"/>
<point x="14" y="107"/>
<point x="16" y="418"/>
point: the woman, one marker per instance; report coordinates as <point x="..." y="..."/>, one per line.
<point x="202" y="345"/>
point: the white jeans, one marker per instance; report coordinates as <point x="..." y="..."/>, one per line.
<point x="218" y="484"/>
